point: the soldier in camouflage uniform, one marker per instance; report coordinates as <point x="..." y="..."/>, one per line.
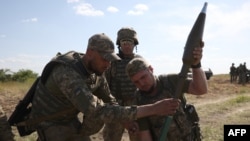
<point x="233" y="73"/>
<point x="75" y="84"/>
<point x="242" y="73"/>
<point x="119" y="83"/>
<point x="5" y="129"/>
<point x="152" y="88"/>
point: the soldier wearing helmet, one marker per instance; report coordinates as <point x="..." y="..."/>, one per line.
<point x="126" y="36"/>
<point x="120" y="85"/>
<point x="126" y="33"/>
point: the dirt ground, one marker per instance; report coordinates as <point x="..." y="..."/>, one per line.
<point x="220" y="89"/>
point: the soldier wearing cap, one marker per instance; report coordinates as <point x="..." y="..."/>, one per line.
<point x="152" y="88"/>
<point x="120" y="85"/>
<point x="74" y="83"/>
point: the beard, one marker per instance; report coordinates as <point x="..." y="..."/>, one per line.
<point x="151" y="89"/>
<point x="92" y="67"/>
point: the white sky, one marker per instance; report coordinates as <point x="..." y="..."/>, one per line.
<point x="33" y="31"/>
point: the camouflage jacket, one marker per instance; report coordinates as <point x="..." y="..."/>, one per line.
<point x="70" y="85"/>
<point x="180" y="127"/>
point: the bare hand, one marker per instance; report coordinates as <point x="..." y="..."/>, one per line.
<point x="197" y="53"/>
<point x="132" y="127"/>
<point x="167" y="106"/>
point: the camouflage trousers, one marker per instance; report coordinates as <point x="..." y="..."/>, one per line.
<point x="60" y="133"/>
<point x="114" y="132"/>
<point x="195" y="135"/>
<point x="5" y="129"/>
<point x="71" y="131"/>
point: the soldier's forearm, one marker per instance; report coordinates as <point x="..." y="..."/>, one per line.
<point x="199" y="82"/>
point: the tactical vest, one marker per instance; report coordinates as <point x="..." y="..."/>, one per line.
<point x="120" y="84"/>
<point x="49" y="100"/>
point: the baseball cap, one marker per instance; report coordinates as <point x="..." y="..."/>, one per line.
<point x="136" y="65"/>
<point x="104" y="45"/>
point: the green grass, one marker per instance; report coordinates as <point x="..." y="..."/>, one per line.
<point x="215" y="116"/>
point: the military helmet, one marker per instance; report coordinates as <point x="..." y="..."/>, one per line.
<point x="126" y="33"/>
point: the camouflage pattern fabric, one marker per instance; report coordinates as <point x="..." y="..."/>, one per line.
<point x="124" y="91"/>
<point x="120" y="84"/>
<point x="67" y="88"/>
<point x="127" y="33"/>
<point x="180" y="128"/>
<point x="113" y="132"/>
<point x="104" y="45"/>
<point x="5" y="129"/>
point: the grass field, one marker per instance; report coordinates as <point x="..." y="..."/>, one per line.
<point x="225" y="103"/>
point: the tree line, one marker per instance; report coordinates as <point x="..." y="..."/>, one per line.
<point x="20" y="76"/>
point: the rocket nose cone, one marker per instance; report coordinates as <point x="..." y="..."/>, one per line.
<point x="204" y="9"/>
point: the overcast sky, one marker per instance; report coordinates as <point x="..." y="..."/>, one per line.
<point x="33" y="31"/>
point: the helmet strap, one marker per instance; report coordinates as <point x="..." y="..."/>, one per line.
<point x="120" y="53"/>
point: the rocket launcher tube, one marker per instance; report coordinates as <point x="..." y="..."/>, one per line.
<point x="194" y="40"/>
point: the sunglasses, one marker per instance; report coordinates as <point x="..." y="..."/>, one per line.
<point x="127" y="42"/>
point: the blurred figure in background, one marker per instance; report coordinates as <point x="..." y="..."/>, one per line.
<point x="233" y="73"/>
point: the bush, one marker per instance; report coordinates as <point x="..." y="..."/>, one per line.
<point x="23" y="75"/>
<point x="20" y="76"/>
<point x="5" y="75"/>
